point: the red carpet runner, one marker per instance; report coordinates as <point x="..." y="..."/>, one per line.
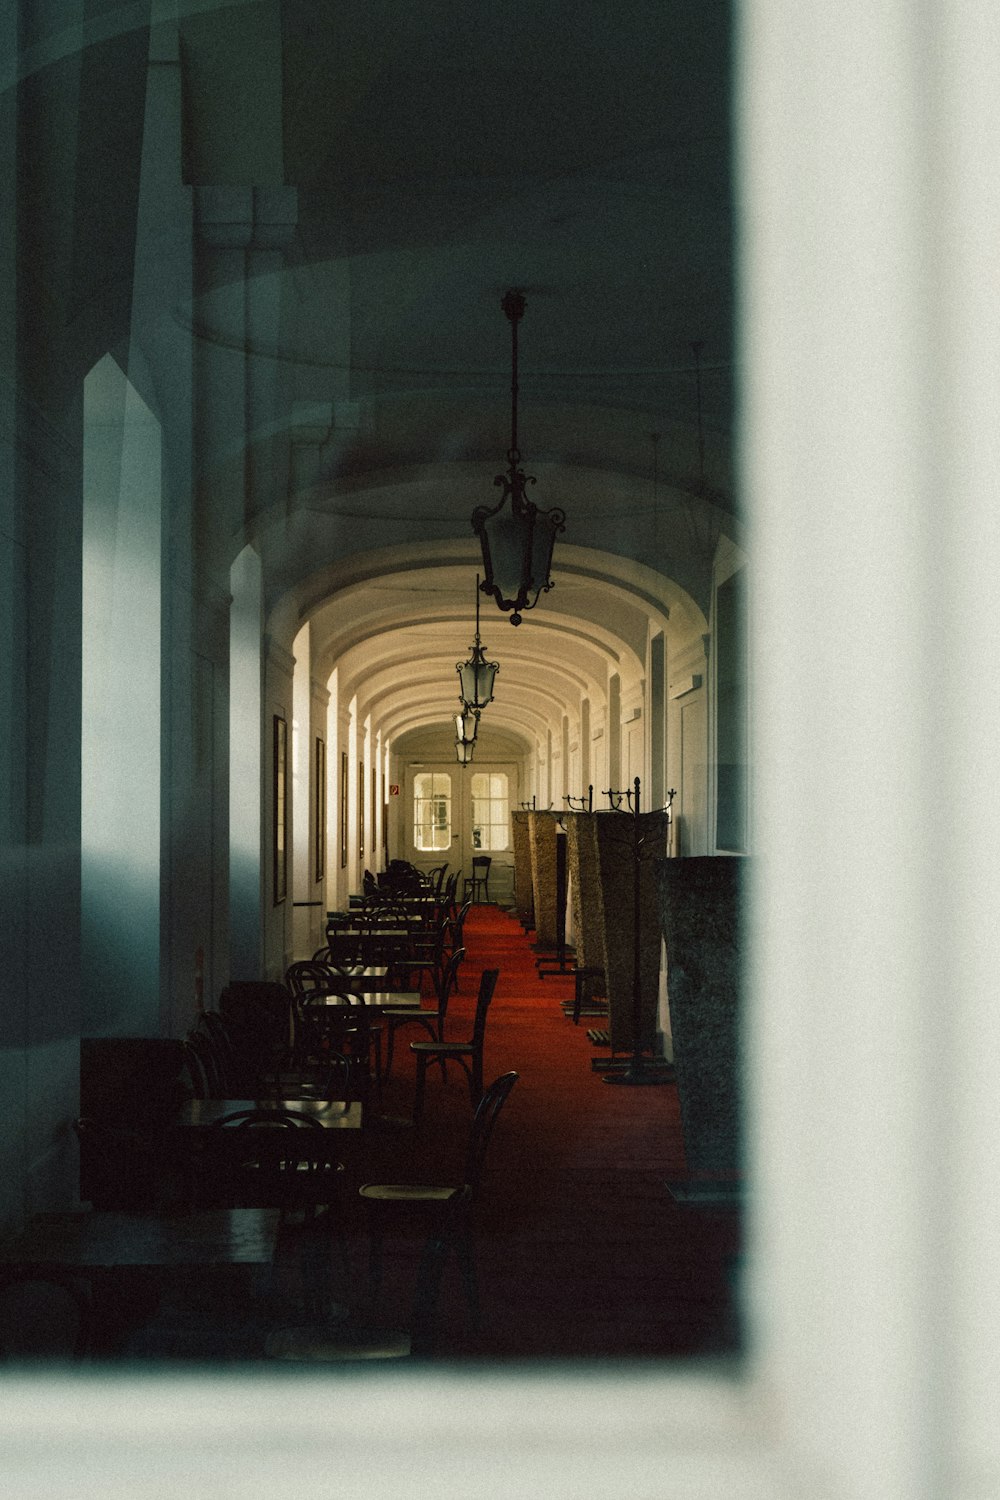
<point x="582" y="1252"/>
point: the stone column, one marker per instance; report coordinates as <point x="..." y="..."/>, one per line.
<point x="700" y="905"/>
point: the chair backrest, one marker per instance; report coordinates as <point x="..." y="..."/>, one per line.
<point x="252" y="1119"/>
<point x="270" y="1150"/>
<point x="229" y="1057"/>
<point x="334" y="960"/>
<point x="448" y="980"/>
<point x="487" y="985"/>
<point x="199" y="1042"/>
<point x="482" y="862"/>
<point x="307" y="975"/>
<point x="458" y="924"/>
<point x="194" y="1067"/>
<point x="483" y="1123"/>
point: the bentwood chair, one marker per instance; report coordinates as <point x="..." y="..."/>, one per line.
<point x="468" y="1054"/>
<point x="430" y="1018"/>
<point x="444" y="1213"/>
<point x="280" y="1158"/>
<point x="477" y="885"/>
<point x="312" y="1023"/>
<point x="387" y="1203"/>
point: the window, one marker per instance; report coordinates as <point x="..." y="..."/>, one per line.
<point x="490" y="811"/>
<point x="432" y="811"/>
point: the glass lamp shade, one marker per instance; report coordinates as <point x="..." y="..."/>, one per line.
<point x="467" y="726"/>
<point x="475" y="678"/>
<point x="463" y="751"/>
<point x="517" y="542"/>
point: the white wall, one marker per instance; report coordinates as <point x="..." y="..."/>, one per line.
<point x="246" y="768"/>
<point x="120" y="736"/>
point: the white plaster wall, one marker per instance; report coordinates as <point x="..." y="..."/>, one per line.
<point x="121" y="695"/>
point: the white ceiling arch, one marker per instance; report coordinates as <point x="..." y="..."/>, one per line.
<point x="394" y="623"/>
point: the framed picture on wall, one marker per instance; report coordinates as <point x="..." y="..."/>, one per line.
<point x="320" y="805"/>
<point x="280" y="808"/>
<point x="343" y="809"/>
<point x="361" y="812"/>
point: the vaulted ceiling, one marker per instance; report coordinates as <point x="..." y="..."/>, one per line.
<point x="440" y="152"/>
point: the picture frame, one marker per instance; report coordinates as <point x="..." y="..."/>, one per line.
<point x="361" y="812"/>
<point x="280" y="808"/>
<point x="343" y="809"/>
<point x="319" y="804"/>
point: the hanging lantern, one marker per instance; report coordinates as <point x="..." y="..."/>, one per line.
<point x="517" y="540"/>
<point x="467" y="725"/>
<point x="476" y="676"/>
<point x="463" y="751"/>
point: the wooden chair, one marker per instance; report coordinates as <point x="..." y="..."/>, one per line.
<point x="266" y="1157"/>
<point x="280" y="1158"/>
<point x="312" y="1024"/>
<point x="477" y="885"/>
<point x="456" y="935"/>
<point x="431" y="1019"/>
<point x="445" y="1214"/>
<point x="203" y="1057"/>
<point x="468" y="1054"/>
<point x="389" y="1202"/>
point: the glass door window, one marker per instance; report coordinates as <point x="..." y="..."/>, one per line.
<point x="431" y="812"/>
<point x="490" y="811"/>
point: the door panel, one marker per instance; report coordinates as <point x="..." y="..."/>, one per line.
<point x="433" y="814"/>
<point x="444" y="821"/>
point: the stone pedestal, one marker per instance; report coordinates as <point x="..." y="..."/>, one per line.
<point x="585" y="893"/>
<point x="618" y="869"/>
<point x="702" y="901"/>
<point x="524" y="900"/>
<point x="542" y="837"/>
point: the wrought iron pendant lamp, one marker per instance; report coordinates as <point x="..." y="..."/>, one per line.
<point x="467" y="725"/>
<point x="475" y="676"/>
<point x="463" y="751"/>
<point x="517" y="540"/>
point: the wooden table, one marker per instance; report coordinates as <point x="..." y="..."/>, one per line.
<point x="99" y="1240"/>
<point x="377" y="1002"/>
<point x="370" y="944"/>
<point x="129" y="1260"/>
<point x="359" y="978"/>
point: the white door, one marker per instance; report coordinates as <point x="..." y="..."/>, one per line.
<point x="490" y="794"/>
<point x="455" y="812"/>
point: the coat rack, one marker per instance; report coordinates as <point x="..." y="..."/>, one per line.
<point x="642" y="1067"/>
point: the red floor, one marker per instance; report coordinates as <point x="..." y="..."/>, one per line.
<point x="582" y="1251"/>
